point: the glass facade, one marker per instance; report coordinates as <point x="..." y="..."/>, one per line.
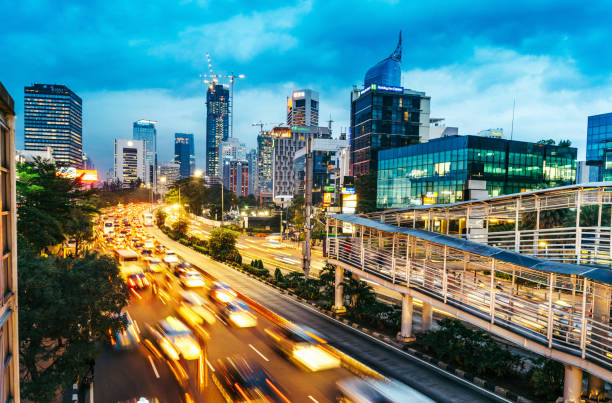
<point x="217" y="125"/>
<point x="265" y="151"/>
<point x="184" y="154"/>
<point x="382" y="119"/>
<point x="387" y="72"/>
<point x="324" y="165"/>
<point x="53" y="118"/>
<point x="599" y="147"/>
<point x="145" y="130"/>
<point x="440" y="168"/>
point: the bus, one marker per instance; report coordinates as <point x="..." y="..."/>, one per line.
<point x="147" y="219"/>
<point x="128" y="261"/>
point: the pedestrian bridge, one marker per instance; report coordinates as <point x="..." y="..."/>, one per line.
<point x="556" y="309"/>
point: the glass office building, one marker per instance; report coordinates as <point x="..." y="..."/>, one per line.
<point x="599" y="147"/>
<point x="145" y="130"/>
<point x="438" y="171"/>
<point x="387" y="72"/>
<point x="53" y="118"/>
<point x="217" y="125"/>
<point x="184" y="154"/>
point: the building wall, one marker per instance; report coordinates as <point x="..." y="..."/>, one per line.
<point x="53" y="118"/>
<point x="599" y="153"/>
<point x="145" y="130"/>
<point x="442" y="167"/>
<point x="166" y="176"/>
<point x="217" y="125"/>
<point x="265" y="163"/>
<point x="283" y="177"/>
<point x="303" y="108"/>
<point x="130" y="162"/>
<point x="9" y="335"/>
<point x="184" y="153"/>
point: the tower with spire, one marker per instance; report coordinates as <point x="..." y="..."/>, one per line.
<point x="387" y="72"/>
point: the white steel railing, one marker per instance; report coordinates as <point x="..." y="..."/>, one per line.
<point x="567" y="312"/>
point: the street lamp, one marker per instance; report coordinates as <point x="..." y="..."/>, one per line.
<point x="198" y="173"/>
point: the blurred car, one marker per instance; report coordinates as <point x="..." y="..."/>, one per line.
<point x="149" y="244"/>
<point x="170" y="257"/>
<point x="154" y="265"/>
<point x="238" y="314"/>
<point x="368" y="390"/>
<point x="160" y="249"/>
<point x="194" y="308"/>
<point x="222" y="293"/>
<point x="127" y="337"/>
<point x="303" y="347"/>
<point x="141" y="400"/>
<point x="175" y="339"/>
<point x="146" y="253"/>
<point x="182" y="268"/>
<point x="138" y="280"/>
<point x="241" y="381"/>
<point x="191" y="279"/>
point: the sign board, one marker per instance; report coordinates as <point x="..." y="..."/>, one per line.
<point x="348" y="190"/>
<point x="475" y="223"/>
<point x="329" y="188"/>
<point x="349" y="203"/>
<point x="327" y="199"/>
<point x="347" y="228"/>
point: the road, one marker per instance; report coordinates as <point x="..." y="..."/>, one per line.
<point x="389" y="361"/>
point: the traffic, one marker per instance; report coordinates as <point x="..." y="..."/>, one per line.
<point x="204" y="341"/>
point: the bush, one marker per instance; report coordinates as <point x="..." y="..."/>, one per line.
<point x="256" y="270"/>
<point x="546" y="378"/>
<point x="185" y="241"/>
<point x="200" y="249"/>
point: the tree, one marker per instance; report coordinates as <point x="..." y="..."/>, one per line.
<point x="66" y="307"/>
<point x="565" y="143"/>
<point x="222" y="243"/>
<point x="546" y="378"/>
<point x="180" y="227"/>
<point x="80" y="228"/>
<point x="160" y="217"/>
<point x="365" y="187"/>
<point x="296" y="211"/>
<point x="549" y="142"/>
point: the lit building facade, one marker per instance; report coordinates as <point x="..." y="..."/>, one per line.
<point x="145" y="130"/>
<point x="130" y="161"/>
<point x="232" y="150"/>
<point x="438" y="171"/>
<point x="265" y="166"/>
<point x="167" y="174"/>
<point x="217" y="125"/>
<point x="236" y="177"/>
<point x="252" y="161"/>
<point x="184" y="154"/>
<point x="303" y="108"/>
<point x="9" y="334"/>
<point x="53" y="118"/>
<point x="599" y="147"/>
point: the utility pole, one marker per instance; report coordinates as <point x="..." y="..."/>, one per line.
<point x="308" y="206"/>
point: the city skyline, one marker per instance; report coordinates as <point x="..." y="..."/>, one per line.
<point x="545" y="58"/>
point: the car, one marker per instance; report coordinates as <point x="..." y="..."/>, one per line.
<point x="154" y="265"/>
<point x="240" y="381"/>
<point x="141" y="399"/>
<point x="138" y="280"/>
<point x="303" y="347"/>
<point x="170" y="257"/>
<point x="238" y="314"/>
<point x="194" y="308"/>
<point x="182" y="268"/>
<point x="222" y="293"/>
<point x="127" y="337"/>
<point x="145" y="253"/>
<point x="175" y="339"/>
<point x="160" y="249"/>
<point x="191" y="278"/>
<point x="368" y="390"/>
<point x="149" y="244"/>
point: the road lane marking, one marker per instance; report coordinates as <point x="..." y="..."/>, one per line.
<point x="313" y="399"/>
<point x="136" y="326"/>
<point x="153" y="365"/>
<point x="259" y="352"/>
<point x="210" y="365"/>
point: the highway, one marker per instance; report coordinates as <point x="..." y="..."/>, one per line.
<point x="386" y="359"/>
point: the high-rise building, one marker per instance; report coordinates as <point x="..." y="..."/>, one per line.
<point x="130" y="162"/>
<point x="252" y="161"/>
<point x="53" y="118"/>
<point x="184" y="154"/>
<point x="443" y="170"/>
<point x="9" y="334"/>
<point x="217" y="125"/>
<point x="167" y="174"/>
<point x="265" y="167"/>
<point x="232" y="150"/>
<point x="303" y="108"/>
<point x="387" y="72"/>
<point x="583" y="172"/>
<point x="236" y="177"/>
<point x="145" y="130"/>
<point x="599" y="147"/>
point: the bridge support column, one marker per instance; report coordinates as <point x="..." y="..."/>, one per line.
<point x="406" y="329"/>
<point x="426" y="317"/>
<point x="596" y="387"/>
<point x="572" y="384"/>
<point x="338" y="291"/>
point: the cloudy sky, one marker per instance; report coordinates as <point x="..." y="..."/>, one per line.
<point x="133" y="60"/>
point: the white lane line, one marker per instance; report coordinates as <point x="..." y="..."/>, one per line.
<point x="259" y="352"/>
<point x="153" y="365"/>
<point x="91" y="394"/>
<point x="313" y="399"/>
<point x="210" y="366"/>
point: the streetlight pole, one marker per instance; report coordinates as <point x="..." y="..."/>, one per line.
<point x="308" y="206"/>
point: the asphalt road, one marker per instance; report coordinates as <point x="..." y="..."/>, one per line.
<point x="389" y="361"/>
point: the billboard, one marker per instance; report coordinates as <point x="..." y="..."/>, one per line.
<point x="349" y="203"/>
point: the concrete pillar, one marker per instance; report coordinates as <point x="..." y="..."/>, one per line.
<point x="427" y="317"/>
<point x="406" y="330"/>
<point x="338" y="288"/>
<point x="572" y="384"/>
<point x="596" y="387"/>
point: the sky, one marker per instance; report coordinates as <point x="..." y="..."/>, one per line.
<point x="131" y="60"/>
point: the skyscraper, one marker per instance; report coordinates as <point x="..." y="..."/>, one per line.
<point x="184" y="154"/>
<point x="130" y="162"/>
<point x="53" y="118"/>
<point x="303" y="108"/>
<point x="9" y="329"/>
<point x="232" y="149"/>
<point x="217" y="125"/>
<point x="265" y="153"/>
<point x="387" y="72"/>
<point x="145" y="130"/>
<point x="252" y="160"/>
<point x="599" y="148"/>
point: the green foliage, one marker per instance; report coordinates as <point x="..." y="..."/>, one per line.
<point x="546" y="378"/>
<point x="278" y="275"/>
<point x="296" y="211"/>
<point x="113" y="193"/>
<point x="222" y="244"/>
<point x="66" y="306"/>
<point x="180" y="226"/>
<point x="365" y="187"/>
<point x="197" y="195"/>
<point x="160" y="217"/>
<point x="565" y="143"/>
<point x="549" y="142"/>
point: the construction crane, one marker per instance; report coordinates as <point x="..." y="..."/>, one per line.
<point x="262" y="124"/>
